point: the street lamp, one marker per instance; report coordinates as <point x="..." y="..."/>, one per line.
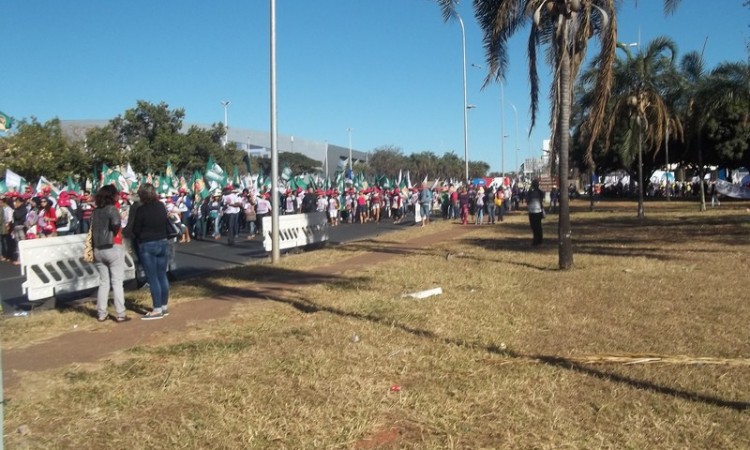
<point x="466" y="107"/>
<point x="351" y="163"/>
<point x="226" y="104"/>
<point x="515" y="112"/>
<point x="502" y="130"/>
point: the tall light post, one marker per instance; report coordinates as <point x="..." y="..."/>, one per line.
<point x="515" y="112"/>
<point x="351" y="162"/>
<point x="275" y="250"/>
<point x="502" y="130"/>
<point x="325" y="161"/>
<point x="466" y="106"/>
<point x="226" y="104"/>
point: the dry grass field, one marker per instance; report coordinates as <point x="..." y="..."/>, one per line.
<point x="645" y="344"/>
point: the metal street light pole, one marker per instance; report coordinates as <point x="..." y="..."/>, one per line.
<point x="351" y="162"/>
<point x="466" y="106"/>
<point x="226" y="103"/>
<point x="515" y="112"/>
<point x="502" y="130"/>
<point x="275" y="250"/>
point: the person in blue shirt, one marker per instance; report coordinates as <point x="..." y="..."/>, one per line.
<point x="425" y="202"/>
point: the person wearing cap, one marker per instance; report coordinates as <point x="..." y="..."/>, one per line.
<point x="214" y="213"/>
<point x="64" y="215"/>
<point x="333" y="209"/>
<point x="535" y="206"/>
<point x="262" y="209"/>
<point x="232" y="206"/>
<point x="85" y="209"/>
<point x="479" y="207"/>
<point x="47" y="218"/>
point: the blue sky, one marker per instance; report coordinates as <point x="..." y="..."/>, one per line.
<point x="390" y="69"/>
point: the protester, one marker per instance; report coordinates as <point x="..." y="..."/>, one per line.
<point x="479" y="205"/>
<point x="150" y="231"/>
<point x="6" y="229"/>
<point x="490" y="204"/>
<point x="262" y="209"/>
<point x="463" y="201"/>
<point x="310" y="201"/>
<point x="109" y="258"/>
<point x="535" y="206"/>
<point x="232" y="204"/>
<point x="47" y="218"/>
<point x="425" y="203"/>
<point x="19" y="225"/>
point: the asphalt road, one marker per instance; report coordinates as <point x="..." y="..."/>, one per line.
<point x="196" y="258"/>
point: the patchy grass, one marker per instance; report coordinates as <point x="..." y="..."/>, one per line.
<point x="514" y="354"/>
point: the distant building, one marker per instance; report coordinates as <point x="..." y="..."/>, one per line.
<point x="255" y="143"/>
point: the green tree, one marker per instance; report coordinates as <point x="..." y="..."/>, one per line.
<point x="387" y="160"/>
<point x="37" y="150"/>
<point x="639" y="110"/>
<point x="566" y="26"/>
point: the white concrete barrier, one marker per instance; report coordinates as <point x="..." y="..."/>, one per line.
<point x="297" y="230"/>
<point x="55" y="266"/>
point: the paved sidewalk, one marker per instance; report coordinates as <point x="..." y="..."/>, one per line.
<point x="89" y="346"/>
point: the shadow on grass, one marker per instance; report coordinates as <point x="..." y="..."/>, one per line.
<point x="610" y="236"/>
<point x="309" y="307"/>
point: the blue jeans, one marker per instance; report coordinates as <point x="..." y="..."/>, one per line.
<point x="231" y="227"/>
<point x="154" y="257"/>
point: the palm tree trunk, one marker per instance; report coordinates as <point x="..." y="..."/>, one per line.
<point x="640" y="169"/>
<point x="565" y="251"/>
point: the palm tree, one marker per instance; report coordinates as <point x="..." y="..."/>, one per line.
<point x="638" y="94"/>
<point x="566" y="27"/>
<point x="726" y="87"/>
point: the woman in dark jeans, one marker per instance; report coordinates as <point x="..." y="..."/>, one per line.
<point x="150" y="231"/>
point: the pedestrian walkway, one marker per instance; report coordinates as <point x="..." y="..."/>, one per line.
<point x="90" y="346"/>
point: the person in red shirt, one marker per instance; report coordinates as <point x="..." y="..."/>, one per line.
<point x="47" y="219"/>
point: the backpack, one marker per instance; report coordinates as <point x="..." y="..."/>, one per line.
<point x="62" y="217"/>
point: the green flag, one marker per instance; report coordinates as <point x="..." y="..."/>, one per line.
<point x="5" y="121"/>
<point x="286" y="173"/>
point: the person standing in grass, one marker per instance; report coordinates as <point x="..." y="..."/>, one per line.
<point x="109" y="256"/>
<point x="425" y="202"/>
<point x="150" y="231"/>
<point x="535" y="206"/>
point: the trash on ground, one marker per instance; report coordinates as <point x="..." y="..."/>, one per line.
<point x="355" y="338"/>
<point x="425" y="294"/>
<point x="395" y="388"/>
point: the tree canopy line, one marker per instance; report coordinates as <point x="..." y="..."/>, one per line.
<point x="150" y="136"/>
<point x="626" y="106"/>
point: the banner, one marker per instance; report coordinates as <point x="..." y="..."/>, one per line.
<point x="13" y="179"/>
<point x="732" y="190"/>
<point x="5" y="122"/>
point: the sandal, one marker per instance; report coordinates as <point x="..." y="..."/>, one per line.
<point x="102" y="318"/>
<point x="122" y="319"/>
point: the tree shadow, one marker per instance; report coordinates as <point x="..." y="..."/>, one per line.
<point x="307" y="306"/>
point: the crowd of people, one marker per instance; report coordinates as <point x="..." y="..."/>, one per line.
<point x="137" y="224"/>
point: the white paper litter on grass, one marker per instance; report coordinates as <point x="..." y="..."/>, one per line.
<point x="425" y="294"/>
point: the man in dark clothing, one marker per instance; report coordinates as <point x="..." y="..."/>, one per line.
<point x="310" y="201"/>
